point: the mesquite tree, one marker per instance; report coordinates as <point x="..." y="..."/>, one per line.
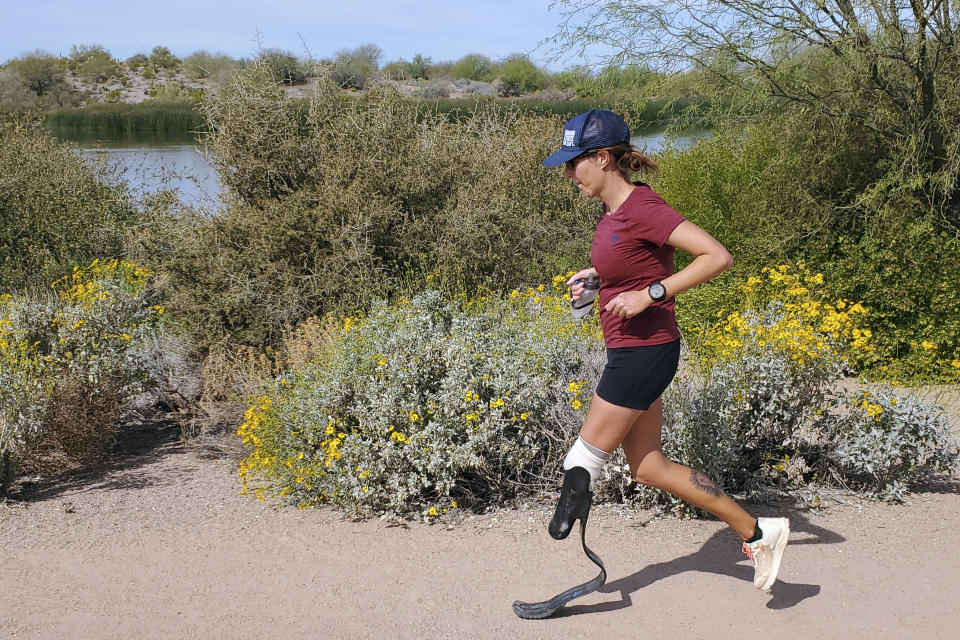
<point x="891" y="66"/>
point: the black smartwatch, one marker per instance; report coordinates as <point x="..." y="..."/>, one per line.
<point x="657" y="291"/>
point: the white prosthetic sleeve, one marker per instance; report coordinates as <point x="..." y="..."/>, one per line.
<point x="587" y="456"/>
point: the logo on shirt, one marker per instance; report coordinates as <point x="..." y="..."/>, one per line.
<point x="568" y="136"/>
<point x="613" y="239"/>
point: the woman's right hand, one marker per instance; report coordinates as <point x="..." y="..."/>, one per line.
<point x="575" y="282"/>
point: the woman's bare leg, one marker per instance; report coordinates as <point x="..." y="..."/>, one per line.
<point x="607" y="424"/>
<point x="642" y="445"/>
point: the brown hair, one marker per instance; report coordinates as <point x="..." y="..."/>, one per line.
<point x="629" y="160"/>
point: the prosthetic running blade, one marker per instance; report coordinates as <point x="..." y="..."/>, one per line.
<point x="545" y="609"/>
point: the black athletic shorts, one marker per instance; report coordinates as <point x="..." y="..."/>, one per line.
<point x="636" y="376"/>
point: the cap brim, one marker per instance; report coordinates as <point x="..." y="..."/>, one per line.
<point x="558" y="158"/>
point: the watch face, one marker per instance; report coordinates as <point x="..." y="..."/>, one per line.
<point x="657" y="291"/>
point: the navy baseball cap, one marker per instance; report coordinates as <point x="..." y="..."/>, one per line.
<point x="594" y="129"/>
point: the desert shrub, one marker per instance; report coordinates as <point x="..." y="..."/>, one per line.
<point x="69" y="362"/>
<point x="433" y="89"/>
<point x="886" y="441"/>
<point x="473" y="66"/>
<point x="359" y="194"/>
<point x="203" y="64"/>
<point x="519" y="75"/>
<point x="39" y="69"/>
<point x="176" y="93"/>
<point x="420" y="67"/>
<point x="14" y="91"/>
<point x="354" y="68"/>
<point x="398" y="70"/>
<point x="426" y="404"/>
<point x="282" y="66"/>
<point x="93" y="63"/>
<point x="137" y="61"/>
<point x="429" y="404"/>
<point x="55" y="209"/>
<point x="162" y="58"/>
<point x="759" y="408"/>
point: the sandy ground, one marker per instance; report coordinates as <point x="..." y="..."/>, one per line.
<point x="161" y="545"/>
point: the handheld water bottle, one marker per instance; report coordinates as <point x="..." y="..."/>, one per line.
<point x="582" y="307"/>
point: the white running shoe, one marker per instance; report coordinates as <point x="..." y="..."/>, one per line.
<point x="767" y="552"/>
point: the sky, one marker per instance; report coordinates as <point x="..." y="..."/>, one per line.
<point x="444" y="30"/>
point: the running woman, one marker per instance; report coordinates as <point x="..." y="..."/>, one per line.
<point x="632" y="253"/>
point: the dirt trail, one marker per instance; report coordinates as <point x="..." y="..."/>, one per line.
<point x="161" y="545"/>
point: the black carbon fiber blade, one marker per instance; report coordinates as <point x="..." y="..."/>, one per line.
<point x="545" y="609"/>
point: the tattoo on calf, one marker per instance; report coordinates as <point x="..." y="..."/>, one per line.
<point x="701" y="481"/>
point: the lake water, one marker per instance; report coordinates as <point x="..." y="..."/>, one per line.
<point x="151" y="166"/>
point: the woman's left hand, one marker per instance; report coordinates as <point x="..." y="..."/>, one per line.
<point x="629" y="303"/>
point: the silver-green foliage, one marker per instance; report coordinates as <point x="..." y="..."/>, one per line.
<point x="87" y="334"/>
<point x="901" y="439"/>
<point x="431" y="402"/>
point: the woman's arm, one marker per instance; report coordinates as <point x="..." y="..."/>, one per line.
<point x="710" y="259"/>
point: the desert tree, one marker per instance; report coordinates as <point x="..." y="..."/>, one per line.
<point x="888" y="66"/>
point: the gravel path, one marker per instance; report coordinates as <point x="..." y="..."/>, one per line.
<point x="161" y="545"/>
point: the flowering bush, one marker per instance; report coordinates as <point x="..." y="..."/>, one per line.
<point x="426" y="404"/>
<point x="71" y="357"/>
<point x="759" y="407"/>
<point x="431" y="404"/>
<point x="886" y="440"/>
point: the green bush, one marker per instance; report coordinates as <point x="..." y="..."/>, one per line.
<point x="615" y="82"/>
<point x="283" y="66"/>
<point x="40" y="70"/>
<point x="55" y="209"/>
<point x="473" y="66"/>
<point x="420" y="67"/>
<point x="789" y="190"/>
<point x="137" y="61"/>
<point x="908" y="272"/>
<point x="202" y="64"/>
<point x="93" y="63"/>
<point x="161" y="58"/>
<point x="398" y="70"/>
<point x="519" y="75"/>
<point x="359" y="194"/>
<point x="354" y="68"/>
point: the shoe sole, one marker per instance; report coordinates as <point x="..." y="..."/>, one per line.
<point x="777" y="556"/>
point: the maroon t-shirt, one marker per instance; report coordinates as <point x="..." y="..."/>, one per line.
<point x="629" y="253"/>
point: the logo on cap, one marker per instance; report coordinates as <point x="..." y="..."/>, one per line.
<point x="568" y="136"/>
